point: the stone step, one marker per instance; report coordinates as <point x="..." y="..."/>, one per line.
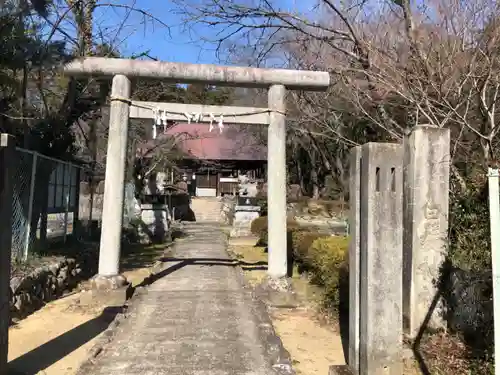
<point x="207" y="209"/>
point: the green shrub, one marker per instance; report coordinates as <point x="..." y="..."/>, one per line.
<point x="327" y="259"/>
<point x="466" y="277"/>
<point x="324" y="257"/>
<point x="259" y="228"/>
<point x="302" y="239"/>
<point x="259" y="225"/>
<point x="470" y="247"/>
<point x="328" y="251"/>
<point x="262" y="203"/>
<point x="263" y="239"/>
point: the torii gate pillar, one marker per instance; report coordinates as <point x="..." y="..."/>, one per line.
<point x="276" y="184"/>
<point x="116" y="156"/>
<point x="276" y="80"/>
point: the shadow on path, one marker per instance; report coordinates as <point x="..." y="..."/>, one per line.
<point x="183" y="262"/>
<point x="51" y="352"/>
<point x="344" y="333"/>
<point x="419" y="357"/>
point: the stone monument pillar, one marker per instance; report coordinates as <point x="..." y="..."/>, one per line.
<point x="426" y="187"/>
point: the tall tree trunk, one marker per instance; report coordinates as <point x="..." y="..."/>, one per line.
<point x="22" y="105"/>
<point x="24" y="79"/>
<point x="300" y="176"/>
<point x="83" y="15"/>
<point x="343" y="180"/>
<point x="487" y="151"/>
<point x="314" y="176"/>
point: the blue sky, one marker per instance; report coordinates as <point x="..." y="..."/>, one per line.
<point x="143" y="34"/>
<point x="138" y="35"/>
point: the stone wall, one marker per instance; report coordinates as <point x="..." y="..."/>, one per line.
<point x="311" y="208"/>
<point x="327" y="216"/>
<point x="47" y="283"/>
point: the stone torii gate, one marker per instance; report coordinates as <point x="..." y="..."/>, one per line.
<point x="123" y="70"/>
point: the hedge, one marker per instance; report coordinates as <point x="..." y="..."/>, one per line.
<point x="259" y="225"/>
<point x="302" y="239"/>
<point x="259" y="228"/>
<point x="327" y="260"/>
<point x="323" y="257"/>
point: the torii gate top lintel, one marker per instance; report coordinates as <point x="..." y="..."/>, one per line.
<point x="200" y="73"/>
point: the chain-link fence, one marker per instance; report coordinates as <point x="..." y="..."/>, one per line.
<point x="45" y="201"/>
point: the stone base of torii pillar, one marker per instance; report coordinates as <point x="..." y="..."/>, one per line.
<point x="106" y="283"/>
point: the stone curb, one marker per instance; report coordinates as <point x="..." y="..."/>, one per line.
<point x="280" y="358"/>
<point x="129" y="308"/>
<point x="107" y="336"/>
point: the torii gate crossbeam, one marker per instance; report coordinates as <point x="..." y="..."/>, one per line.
<point x="177" y="111"/>
<point x="122" y="71"/>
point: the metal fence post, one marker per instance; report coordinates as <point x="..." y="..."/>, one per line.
<point x="91" y="201"/>
<point x="27" y="237"/>
<point x="66" y="208"/>
<point x="45" y="200"/>
<point x="494" y="201"/>
<point x="7" y="160"/>
<point x="76" y="204"/>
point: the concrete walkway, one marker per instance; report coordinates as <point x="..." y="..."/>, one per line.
<point x="196" y="319"/>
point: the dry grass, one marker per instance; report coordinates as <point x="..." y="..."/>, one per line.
<point x="313" y="344"/>
<point x="443" y="354"/>
<point x="56" y="339"/>
<point x="313" y="338"/>
<point x="245" y="250"/>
